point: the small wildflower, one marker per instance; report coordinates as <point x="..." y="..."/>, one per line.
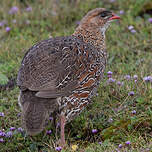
<point x="2" y="134"/>
<point x="130" y="27"/>
<point x="7" y="29"/>
<point x="150" y="20"/>
<point x="99" y="142"/>
<point x="148" y="79"/>
<point x="58" y="125"/>
<point x="1" y="114"/>
<point x="29" y="9"/>
<point x="58" y="148"/>
<point x="112" y="1"/>
<point x="49" y="132"/>
<point x="127" y="77"/>
<point x="135" y="77"/>
<point x="121" y="12"/>
<point x="74" y="147"/>
<point x="111" y="80"/>
<point x="110" y="120"/>
<point x="12" y="128"/>
<point x="119" y="83"/>
<point x="50" y="118"/>
<point x="133" y="112"/>
<point x="109" y="72"/>
<point x="135" y="81"/>
<point x="120" y="146"/>
<point x="9" y="134"/>
<point x="20" y="129"/>
<point x="128" y="142"/>
<point x="19" y="115"/>
<point x="13" y="10"/>
<point x="117" y="150"/>
<point x="133" y="31"/>
<point x="2" y="23"/>
<point x="94" y="131"/>
<point x="131" y="93"/>
<point x="1" y="140"/>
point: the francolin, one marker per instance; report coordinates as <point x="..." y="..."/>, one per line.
<point x="62" y="74"/>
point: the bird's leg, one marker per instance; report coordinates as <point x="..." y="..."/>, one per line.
<point x="62" y="125"/>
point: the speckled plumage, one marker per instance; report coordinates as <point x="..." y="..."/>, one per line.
<point x="62" y="74"/>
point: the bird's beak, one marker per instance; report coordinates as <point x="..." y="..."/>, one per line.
<point x="114" y="17"/>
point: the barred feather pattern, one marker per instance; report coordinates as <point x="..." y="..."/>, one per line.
<point x="62" y="74"/>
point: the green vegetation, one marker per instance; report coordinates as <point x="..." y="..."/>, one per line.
<point x="121" y="112"/>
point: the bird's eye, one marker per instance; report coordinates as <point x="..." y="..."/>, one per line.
<point x="105" y="13"/>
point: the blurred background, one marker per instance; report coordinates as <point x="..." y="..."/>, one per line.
<point x="122" y="112"/>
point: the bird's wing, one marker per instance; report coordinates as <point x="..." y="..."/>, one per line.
<point x="52" y="67"/>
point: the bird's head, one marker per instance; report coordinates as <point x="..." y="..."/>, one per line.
<point x="98" y="18"/>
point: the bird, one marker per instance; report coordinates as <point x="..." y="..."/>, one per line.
<point x="61" y="75"/>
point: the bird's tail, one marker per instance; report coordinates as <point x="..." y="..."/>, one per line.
<point x="34" y="112"/>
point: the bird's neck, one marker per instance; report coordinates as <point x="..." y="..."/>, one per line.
<point x="95" y="36"/>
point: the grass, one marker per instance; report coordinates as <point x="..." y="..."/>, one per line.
<point x="118" y="116"/>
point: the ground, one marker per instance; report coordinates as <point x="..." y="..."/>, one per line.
<point x="120" y="118"/>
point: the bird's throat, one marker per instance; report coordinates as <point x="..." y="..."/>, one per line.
<point x="95" y="37"/>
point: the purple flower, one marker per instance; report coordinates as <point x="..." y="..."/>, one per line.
<point x="50" y="118"/>
<point x="58" y="125"/>
<point x="117" y="150"/>
<point x="19" y="114"/>
<point x="120" y="83"/>
<point x="133" y="112"/>
<point x="127" y="77"/>
<point x="29" y="9"/>
<point x="12" y="128"/>
<point x="148" y="79"/>
<point x="110" y="120"/>
<point x="150" y="20"/>
<point x="109" y="72"/>
<point x="7" y="29"/>
<point x="128" y="142"/>
<point x="133" y="31"/>
<point x="131" y="93"/>
<point x="111" y="1"/>
<point x="1" y="140"/>
<point x="121" y="12"/>
<point x="135" y="77"/>
<point x="94" y="131"/>
<point x="49" y="132"/>
<point x="2" y="23"/>
<point x="58" y="148"/>
<point x="111" y="80"/>
<point x="13" y="10"/>
<point x="20" y="129"/>
<point x="135" y="81"/>
<point x="2" y="134"/>
<point x="9" y="134"/>
<point x="1" y="114"/>
<point x="130" y="27"/>
<point x="100" y="142"/>
<point x="120" y="146"/>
